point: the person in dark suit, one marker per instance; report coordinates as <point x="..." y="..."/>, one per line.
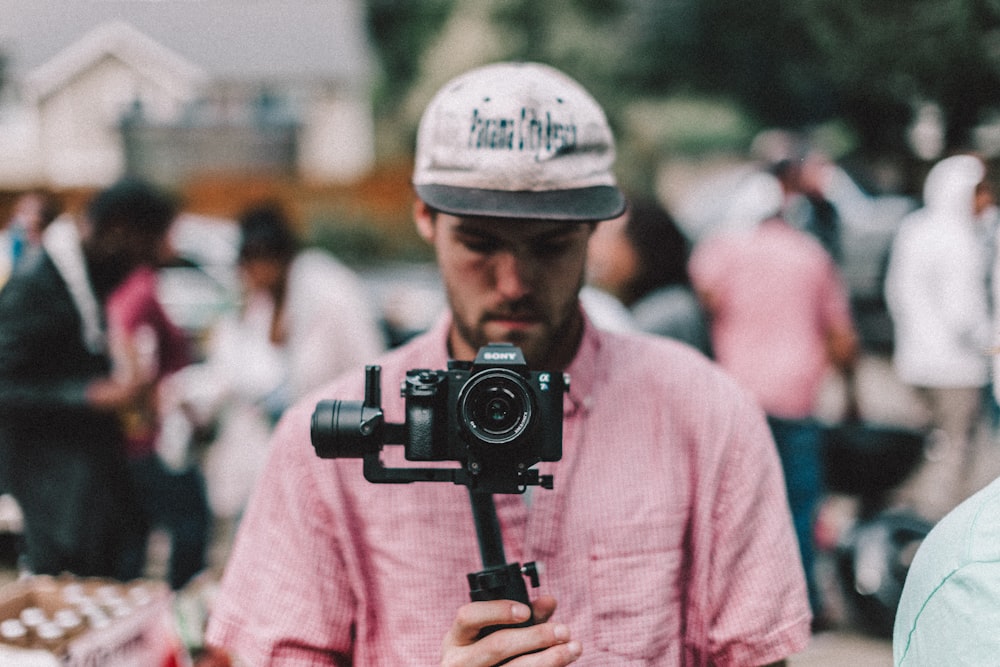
<point x="61" y="444"/>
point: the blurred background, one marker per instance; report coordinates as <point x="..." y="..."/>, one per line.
<point x="318" y="101"/>
<point x="315" y="103"/>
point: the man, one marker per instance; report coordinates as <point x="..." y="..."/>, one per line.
<point x="640" y="259"/>
<point x="147" y="350"/>
<point x="937" y="293"/>
<point x="947" y="613"/>
<point x="61" y="445"/>
<point x="780" y="321"/>
<point x="666" y="539"/>
<point x="806" y="205"/>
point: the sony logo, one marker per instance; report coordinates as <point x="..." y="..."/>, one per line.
<point x="500" y="356"/>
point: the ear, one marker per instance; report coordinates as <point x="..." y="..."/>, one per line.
<point x="423" y="217"/>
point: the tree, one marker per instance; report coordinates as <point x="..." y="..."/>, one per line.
<point x="401" y="31"/>
<point x="794" y="63"/>
<point x="884" y="58"/>
<point x="786" y="63"/>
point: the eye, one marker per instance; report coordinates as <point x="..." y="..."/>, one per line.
<point x="552" y="247"/>
<point x="479" y="244"/>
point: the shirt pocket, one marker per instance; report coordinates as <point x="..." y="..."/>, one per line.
<point x="635" y="578"/>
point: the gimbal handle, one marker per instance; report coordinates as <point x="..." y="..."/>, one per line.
<point x="498" y="580"/>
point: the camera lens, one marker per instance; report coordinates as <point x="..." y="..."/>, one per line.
<point x="498" y="414"/>
<point x="495" y="406"/>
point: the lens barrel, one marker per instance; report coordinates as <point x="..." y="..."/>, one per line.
<point x="496" y="406"/>
<point x="341" y="429"/>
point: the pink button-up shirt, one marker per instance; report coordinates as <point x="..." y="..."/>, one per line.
<point x="667" y="539"/>
<point x="776" y="295"/>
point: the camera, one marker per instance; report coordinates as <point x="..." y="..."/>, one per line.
<point x="493" y="415"/>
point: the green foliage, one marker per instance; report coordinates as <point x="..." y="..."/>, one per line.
<point x="597" y="11"/>
<point x="401" y="30"/>
<point x="787" y="63"/>
<point x="691" y="125"/>
<point x="884" y="57"/>
<point x="755" y="52"/>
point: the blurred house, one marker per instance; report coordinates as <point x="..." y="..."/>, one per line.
<point x="176" y="88"/>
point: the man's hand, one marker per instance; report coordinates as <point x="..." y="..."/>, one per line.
<point x="463" y="647"/>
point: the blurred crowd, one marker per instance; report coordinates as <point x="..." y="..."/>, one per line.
<point x="117" y="421"/>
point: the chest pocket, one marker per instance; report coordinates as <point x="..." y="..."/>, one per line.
<point x="635" y="578"/>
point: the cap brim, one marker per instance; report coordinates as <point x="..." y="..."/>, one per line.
<point x="600" y="202"/>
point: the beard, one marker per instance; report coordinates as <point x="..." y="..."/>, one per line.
<point x="551" y="341"/>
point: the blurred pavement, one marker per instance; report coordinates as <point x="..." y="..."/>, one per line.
<point x="839" y="648"/>
<point x="883" y="400"/>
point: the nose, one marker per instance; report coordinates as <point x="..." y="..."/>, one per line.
<point x="512" y="276"/>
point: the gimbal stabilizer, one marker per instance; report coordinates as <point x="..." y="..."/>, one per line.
<point x="494" y="416"/>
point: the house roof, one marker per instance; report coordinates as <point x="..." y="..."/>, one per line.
<point x="234" y="40"/>
<point x="127" y="44"/>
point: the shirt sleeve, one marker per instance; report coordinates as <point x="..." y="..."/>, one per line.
<point x="957" y="622"/>
<point x="136" y="306"/>
<point x="756" y="581"/>
<point x="285" y="598"/>
<point x="949" y="609"/>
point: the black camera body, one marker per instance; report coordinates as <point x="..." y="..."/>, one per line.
<point x="493" y="415"/>
<point x="491" y="408"/>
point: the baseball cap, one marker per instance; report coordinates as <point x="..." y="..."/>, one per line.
<point x="517" y="140"/>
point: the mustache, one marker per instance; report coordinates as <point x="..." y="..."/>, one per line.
<point x="515" y="310"/>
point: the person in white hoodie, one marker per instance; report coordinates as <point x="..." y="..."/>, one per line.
<point x="937" y="294"/>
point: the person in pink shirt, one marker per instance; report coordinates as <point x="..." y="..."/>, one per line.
<point x="666" y="539"/>
<point x="780" y="320"/>
<point x="146" y="349"/>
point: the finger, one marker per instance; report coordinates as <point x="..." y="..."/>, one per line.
<point x="547" y="644"/>
<point x="543" y="608"/>
<point x="475" y="616"/>
<point x="554" y="656"/>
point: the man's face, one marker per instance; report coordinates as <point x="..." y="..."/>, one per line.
<point x="512" y="281"/>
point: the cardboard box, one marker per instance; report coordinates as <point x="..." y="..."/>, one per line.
<point x="136" y="629"/>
